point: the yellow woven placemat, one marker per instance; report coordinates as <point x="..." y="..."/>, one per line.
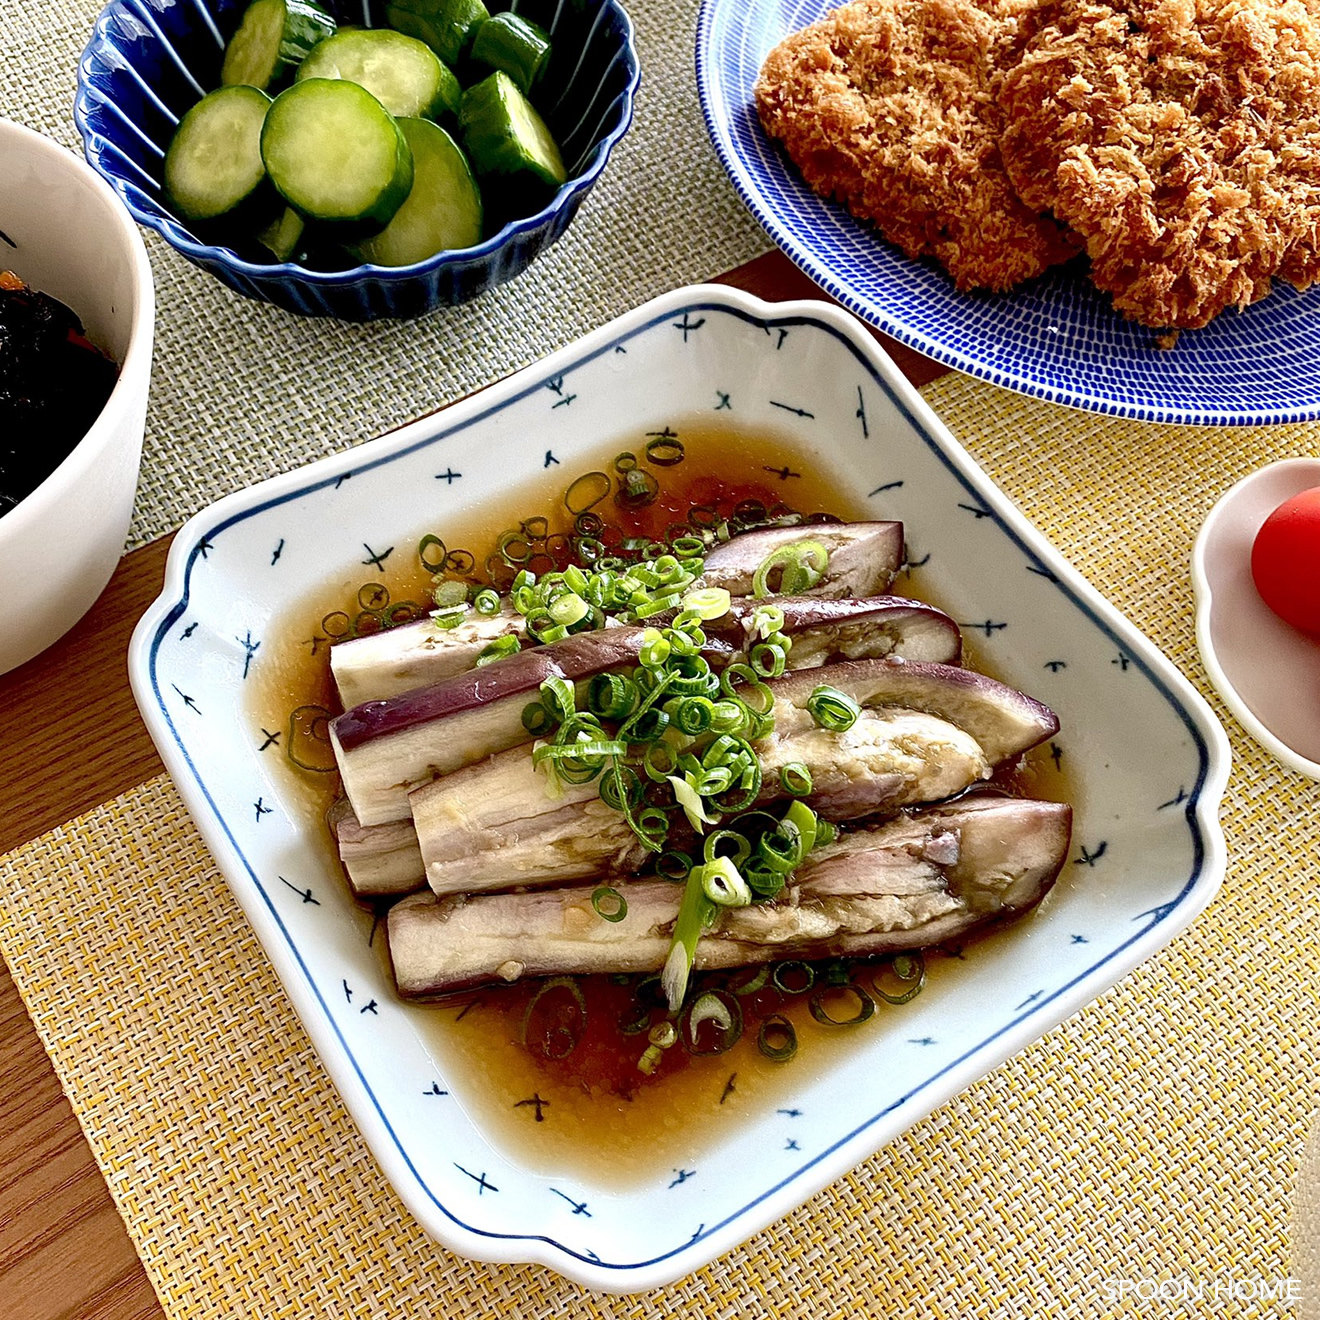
<point x="1153" y="1137"/>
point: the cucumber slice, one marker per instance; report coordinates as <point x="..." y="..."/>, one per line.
<point x="445" y="25"/>
<point x="273" y="35"/>
<point x="282" y="236"/>
<point x="336" y="154"/>
<point x="443" y="210"/>
<point x="214" y="163"/>
<point x="405" y="75"/>
<point x="515" y="46"/>
<point x="503" y="133"/>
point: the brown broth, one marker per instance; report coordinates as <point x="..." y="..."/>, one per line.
<point x="594" y="1113"/>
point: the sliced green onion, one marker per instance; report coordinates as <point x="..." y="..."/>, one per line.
<point x="768" y="661"/>
<point x="664" y="450"/>
<point x="690" y="800"/>
<point x="447" y="619"/>
<point x="801" y="818"/>
<point x="647" y="726"/>
<point x="762" y="881"/>
<point x="660" y="761"/>
<point x="756" y="981"/>
<point x="654" y="650"/>
<point x="716" y="1006"/>
<point x="786" y="974"/>
<point x="621" y="790"/>
<point x="695" y="913"/>
<point x="431" y="551"/>
<point x="609" y="903"/>
<point x="694" y="715"/>
<point x="767" y="620"/>
<point x="486" y="601"/>
<point x="708" y="603"/>
<point x="559" y="698"/>
<point x="536" y="719"/>
<point x="801" y="565"/>
<point x="865" y="1005"/>
<point x="907" y="968"/>
<point x="497" y="650"/>
<point x="569" y="609"/>
<point x="726" y="839"/>
<point x="826" y="832"/>
<point x="795" y="779"/>
<point x="831" y="709"/>
<point x="561" y="1029"/>
<point x="776" y="1038"/>
<point x="673" y="865"/>
<point x="612" y="696"/>
<point x="450" y="593"/>
<point x="722" y="883"/>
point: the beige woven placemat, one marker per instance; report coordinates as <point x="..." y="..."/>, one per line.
<point x="241" y="390"/>
<point x="1153" y="1137"/>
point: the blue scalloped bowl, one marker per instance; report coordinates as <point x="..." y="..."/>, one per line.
<point x="1056" y="337"/>
<point x="149" y="60"/>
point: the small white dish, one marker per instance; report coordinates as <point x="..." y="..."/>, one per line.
<point x="67" y="235"/>
<point x="1266" y="671"/>
<point x="1148" y="764"/>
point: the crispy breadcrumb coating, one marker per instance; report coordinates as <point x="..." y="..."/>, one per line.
<point x="889" y="107"/>
<point x="1181" y="138"/>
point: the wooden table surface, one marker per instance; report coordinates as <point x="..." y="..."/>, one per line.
<point x="64" y="1251"/>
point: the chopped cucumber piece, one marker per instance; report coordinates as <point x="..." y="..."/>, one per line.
<point x="405" y="75"/>
<point x="214" y="159"/>
<point x="503" y="133"/>
<point x="443" y="210"/>
<point x="445" y="25"/>
<point x="513" y="45"/>
<point x="274" y="35"/>
<point x="336" y="154"/>
<point x="282" y="236"/>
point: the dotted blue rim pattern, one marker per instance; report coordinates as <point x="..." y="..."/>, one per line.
<point x="172" y="608"/>
<point x="146" y="64"/>
<point x="1055" y="338"/>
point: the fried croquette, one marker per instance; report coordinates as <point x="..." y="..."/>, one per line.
<point x="888" y="106"/>
<point x="1181" y="139"/>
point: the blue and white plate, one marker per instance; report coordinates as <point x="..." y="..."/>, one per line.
<point x="1056" y="337"/>
<point x="1144" y="758"/>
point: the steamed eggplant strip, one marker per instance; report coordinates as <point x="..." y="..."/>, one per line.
<point x="414" y="655"/>
<point x="386" y="748"/>
<point x="921" y="880"/>
<point x="380" y="861"/>
<point x="863" y="557"/>
<point x="863" y="560"/>
<point x="493" y="825"/>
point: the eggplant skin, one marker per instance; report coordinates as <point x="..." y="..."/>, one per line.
<point x="928" y="877"/>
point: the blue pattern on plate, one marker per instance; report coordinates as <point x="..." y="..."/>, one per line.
<point x="171" y="613"/>
<point x="1056" y="337"/>
<point x="147" y="63"/>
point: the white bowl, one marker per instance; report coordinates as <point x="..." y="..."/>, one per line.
<point x="1148" y="764"/>
<point x="67" y="235"/>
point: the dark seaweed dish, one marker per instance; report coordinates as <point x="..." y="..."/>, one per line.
<point x="53" y="385"/>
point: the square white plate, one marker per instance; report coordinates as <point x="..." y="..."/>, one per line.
<point x="1148" y="765"/>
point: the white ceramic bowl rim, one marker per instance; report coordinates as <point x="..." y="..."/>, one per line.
<point x="137" y="361"/>
<point x="1219" y="678"/>
<point x="173" y="232"/>
<point x="1199" y="808"/>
